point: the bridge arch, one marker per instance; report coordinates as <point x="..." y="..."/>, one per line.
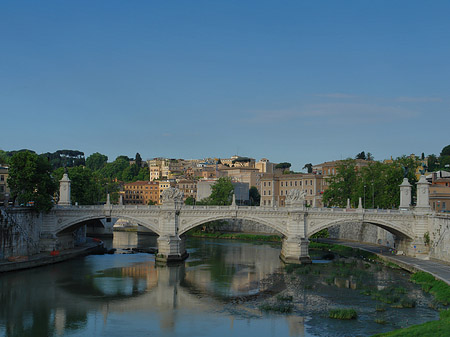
<point x="200" y="221"/>
<point x="386" y="225"/>
<point x="76" y="222"/>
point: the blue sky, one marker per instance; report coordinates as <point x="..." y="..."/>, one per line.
<point x="296" y="81"/>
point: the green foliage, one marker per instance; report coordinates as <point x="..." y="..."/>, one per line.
<point x="284" y="165"/>
<point x="342" y="313"/>
<point x="432" y="163"/>
<point x="87" y="187"/>
<point x="376" y="184"/>
<point x="320" y="234"/>
<point x="30" y="180"/>
<point x="281" y="307"/>
<point x="138" y="160"/>
<point x="438" y="288"/>
<point x="235" y="236"/>
<point x="116" y="169"/>
<point x="4" y="158"/>
<point x="189" y="201"/>
<point x="221" y="193"/>
<point x="96" y="161"/>
<point x="361" y="155"/>
<point x="254" y="196"/>
<point x="445" y="151"/>
<point x="65" y="158"/>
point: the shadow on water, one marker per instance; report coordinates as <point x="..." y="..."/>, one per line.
<point x="225" y="288"/>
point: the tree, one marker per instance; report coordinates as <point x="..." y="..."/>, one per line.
<point x="96" y="161"/>
<point x="30" y="181"/>
<point x="221" y="193"/>
<point x="283" y="165"/>
<point x="4" y="158"/>
<point x="445" y="151"/>
<point x="254" y="196"/>
<point x="308" y="167"/>
<point x="189" y="201"/>
<point x="432" y="163"/>
<point x="85" y="186"/>
<point x="361" y="155"/>
<point x="369" y="156"/>
<point x="138" y="160"/>
<point x="377" y="184"/>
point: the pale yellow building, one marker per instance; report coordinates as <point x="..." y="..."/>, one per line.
<point x="275" y="188"/>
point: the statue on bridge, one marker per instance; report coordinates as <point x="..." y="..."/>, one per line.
<point x="172" y="195"/>
<point x="296" y="198"/>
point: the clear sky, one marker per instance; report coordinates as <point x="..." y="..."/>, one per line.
<point x="296" y="81"/>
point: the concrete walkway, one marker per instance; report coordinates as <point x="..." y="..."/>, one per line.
<point x="439" y="269"/>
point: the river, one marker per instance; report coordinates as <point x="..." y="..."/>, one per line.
<point x="221" y="290"/>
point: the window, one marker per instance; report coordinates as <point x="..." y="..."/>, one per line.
<point x="310" y="182"/>
<point x="443" y="205"/>
<point x="295" y="183"/>
<point x="281" y="184"/>
<point x="300" y="183"/>
<point x="2" y="188"/>
<point x="281" y="192"/>
<point x="291" y="183"/>
<point x="2" y="177"/>
<point x="264" y="192"/>
<point x="306" y="182"/>
<point x="310" y="191"/>
<point x="269" y="183"/>
<point x="269" y="192"/>
<point x="264" y="184"/>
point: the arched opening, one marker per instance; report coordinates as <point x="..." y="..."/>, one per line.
<point x="372" y="232"/>
<point x="75" y="232"/>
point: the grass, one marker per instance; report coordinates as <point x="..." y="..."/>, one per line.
<point x="342" y="314"/>
<point x="439" y="289"/>
<point x="430" y="329"/>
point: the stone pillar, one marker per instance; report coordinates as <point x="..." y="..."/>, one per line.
<point x="171" y="248"/>
<point x="423" y="197"/>
<point x="294" y="247"/>
<point x="360" y="205"/>
<point x="64" y="191"/>
<point x="295" y="250"/>
<point x="405" y="194"/>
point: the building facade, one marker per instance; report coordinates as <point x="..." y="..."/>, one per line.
<point x="275" y="188"/>
<point x="140" y="193"/>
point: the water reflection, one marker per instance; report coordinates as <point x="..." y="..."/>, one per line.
<point x="218" y="291"/>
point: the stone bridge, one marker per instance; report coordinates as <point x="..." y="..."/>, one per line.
<point x="62" y="227"/>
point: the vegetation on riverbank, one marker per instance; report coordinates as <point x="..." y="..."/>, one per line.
<point x="439" y="289"/>
<point x="343" y="314"/>
<point x="235" y="236"/>
<point x="441" y="292"/>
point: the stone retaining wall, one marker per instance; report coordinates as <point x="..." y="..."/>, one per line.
<point x="19" y="233"/>
<point x="440" y="239"/>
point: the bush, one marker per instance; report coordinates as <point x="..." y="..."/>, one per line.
<point x="343" y="314"/>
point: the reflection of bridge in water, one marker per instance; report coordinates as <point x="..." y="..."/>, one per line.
<point x="167" y="294"/>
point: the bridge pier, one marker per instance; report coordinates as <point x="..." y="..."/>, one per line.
<point x="295" y="250"/>
<point x="171" y="248"/>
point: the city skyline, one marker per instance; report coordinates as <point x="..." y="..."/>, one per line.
<point x="297" y="82"/>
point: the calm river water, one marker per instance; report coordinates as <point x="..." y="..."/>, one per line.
<point x="219" y="291"/>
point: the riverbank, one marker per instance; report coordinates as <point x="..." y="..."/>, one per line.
<point x="236" y="236"/>
<point x="46" y="258"/>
